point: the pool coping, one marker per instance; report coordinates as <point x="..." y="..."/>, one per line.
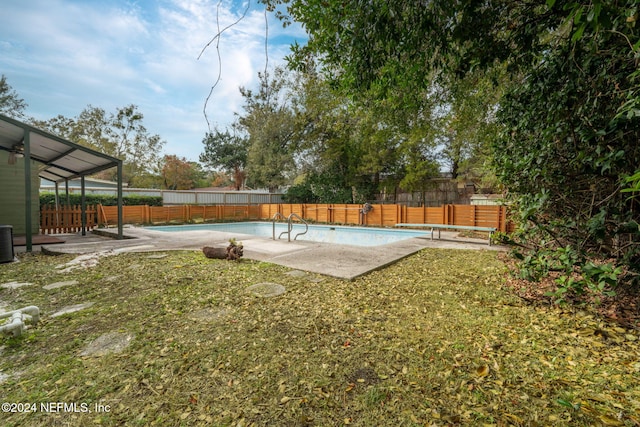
<point x="341" y="261"/>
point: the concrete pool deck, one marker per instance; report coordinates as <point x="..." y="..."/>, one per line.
<point x="341" y="261"/>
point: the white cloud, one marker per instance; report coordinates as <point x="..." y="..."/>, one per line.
<point x="110" y="54"/>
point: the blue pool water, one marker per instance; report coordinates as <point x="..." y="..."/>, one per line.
<point x="357" y="236"/>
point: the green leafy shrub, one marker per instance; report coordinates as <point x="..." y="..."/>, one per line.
<point x="103" y="199"/>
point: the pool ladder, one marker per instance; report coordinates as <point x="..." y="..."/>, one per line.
<point x="289" y="220"/>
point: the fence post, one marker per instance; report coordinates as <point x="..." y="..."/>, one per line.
<point x="473" y="215"/>
<point x="102" y="217"/>
<point x="43" y="219"/>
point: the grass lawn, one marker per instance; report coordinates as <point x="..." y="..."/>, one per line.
<point x="435" y="339"/>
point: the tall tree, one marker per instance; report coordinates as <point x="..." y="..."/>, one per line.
<point x="227" y="150"/>
<point x="342" y="148"/>
<point x="268" y="121"/>
<point x="134" y="143"/>
<point x="177" y="173"/>
<point x="349" y="150"/>
<point x="327" y="156"/>
<point x="11" y="104"/>
<point x="469" y="126"/>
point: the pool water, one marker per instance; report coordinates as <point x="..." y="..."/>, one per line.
<point x="356" y="236"/>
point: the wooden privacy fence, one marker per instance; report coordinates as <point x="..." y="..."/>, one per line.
<point x="390" y="215"/>
<point x="144" y="214"/>
<point x="66" y="219"/>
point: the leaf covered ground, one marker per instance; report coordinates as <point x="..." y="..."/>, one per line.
<point x="435" y="339"/>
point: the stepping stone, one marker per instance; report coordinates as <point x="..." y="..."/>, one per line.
<point x="60" y="284"/>
<point x="15" y="285"/>
<point x="112" y="342"/>
<point x="266" y="289"/>
<point x="72" y="309"/>
<point x="10" y="375"/>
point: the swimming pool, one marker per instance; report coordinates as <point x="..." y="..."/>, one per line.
<point x="356" y="236"/>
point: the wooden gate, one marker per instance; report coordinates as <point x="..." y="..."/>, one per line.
<point x="66" y="219"/>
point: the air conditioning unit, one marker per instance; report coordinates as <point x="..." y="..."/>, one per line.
<point x="6" y="243"/>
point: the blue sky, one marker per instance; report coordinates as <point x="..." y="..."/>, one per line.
<point x="62" y="55"/>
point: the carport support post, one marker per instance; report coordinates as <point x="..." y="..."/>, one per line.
<point x="27" y="189"/>
<point x="120" y="236"/>
<point x="83" y="207"/>
<point x="57" y="202"/>
<point x="57" y="197"/>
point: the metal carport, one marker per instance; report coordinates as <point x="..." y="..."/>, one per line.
<point x="61" y="160"/>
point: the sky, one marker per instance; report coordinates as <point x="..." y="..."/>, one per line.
<point x="61" y="56"/>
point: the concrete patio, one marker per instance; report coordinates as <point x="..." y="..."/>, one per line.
<point x="341" y="261"/>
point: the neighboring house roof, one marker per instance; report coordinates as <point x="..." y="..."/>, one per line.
<point x="60" y="159"/>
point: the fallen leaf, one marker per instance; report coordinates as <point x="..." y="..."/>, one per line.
<point x="482" y="371"/>
<point x="514" y="418"/>
<point x="610" y="421"/>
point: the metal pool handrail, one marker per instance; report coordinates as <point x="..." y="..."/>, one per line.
<point x="289" y="226"/>
<point x="273" y="221"/>
<point x="306" y="225"/>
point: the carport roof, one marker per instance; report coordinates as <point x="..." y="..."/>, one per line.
<point x="60" y="159"/>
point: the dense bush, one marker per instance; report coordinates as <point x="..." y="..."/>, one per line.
<point x="299" y="193"/>
<point x="103" y="199"/>
<point x="327" y="188"/>
<point x="569" y="152"/>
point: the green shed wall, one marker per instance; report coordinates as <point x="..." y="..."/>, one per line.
<point x="12" y="195"/>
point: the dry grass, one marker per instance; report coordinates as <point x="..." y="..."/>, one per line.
<point x="432" y="340"/>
